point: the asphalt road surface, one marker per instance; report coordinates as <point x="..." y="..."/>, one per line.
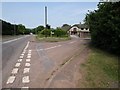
<point x="28" y="63"/>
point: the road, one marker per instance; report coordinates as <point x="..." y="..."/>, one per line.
<point x="28" y="63"/>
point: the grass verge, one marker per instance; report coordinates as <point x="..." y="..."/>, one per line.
<point x="100" y="70"/>
<point x="53" y="39"/>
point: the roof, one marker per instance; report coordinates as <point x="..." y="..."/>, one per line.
<point x="81" y="25"/>
<point x="66" y="27"/>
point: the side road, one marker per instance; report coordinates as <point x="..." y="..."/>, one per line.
<point x="68" y="74"/>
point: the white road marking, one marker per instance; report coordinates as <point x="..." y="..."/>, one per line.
<point x="17" y="64"/>
<point x="28" y="56"/>
<point x="41" y="49"/>
<point x="52" y="47"/>
<point x="19" y="60"/>
<point x="25" y="79"/>
<point x="11" y="79"/>
<point x="25" y="87"/>
<point x="23" y="52"/>
<point x="27" y="60"/>
<point x="30" y="50"/>
<point x="26" y="70"/>
<point x="21" y="56"/>
<point x="15" y="71"/>
<point x="27" y="64"/>
<point x="27" y="45"/>
<point x="13" y="40"/>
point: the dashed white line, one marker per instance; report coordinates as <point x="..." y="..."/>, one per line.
<point x="25" y="79"/>
<point x="21" y="56"/>
<point x="19" y="60"/>
<point x="26" y="70"/>
<point x="11" y="79"/>
<point x="29" y="54"/>
<point x="23" y="52"/>
<point x="27" y="60"/>
<point x="30" y="50"/>
<point x="49" y="48"/>
<point x="27" y="64"/>
<point x="15" y="71"/>
<point x="17" y="64"/>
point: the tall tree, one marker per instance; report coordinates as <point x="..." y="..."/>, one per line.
<point x="104" y="25"/>
<point x="21" y="29"/>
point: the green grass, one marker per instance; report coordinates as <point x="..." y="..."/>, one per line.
<point x="100" y="70"/>
<point x="53" y="38"/>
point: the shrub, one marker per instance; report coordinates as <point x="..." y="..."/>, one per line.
<point x="59" y="32"/>
<point x="46" y="32"/>
<point x="104" y="25"/>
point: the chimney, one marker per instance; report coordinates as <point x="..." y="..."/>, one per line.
<point x="80" y="23"/>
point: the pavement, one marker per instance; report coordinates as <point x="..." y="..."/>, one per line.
<point x="28" y="63"/>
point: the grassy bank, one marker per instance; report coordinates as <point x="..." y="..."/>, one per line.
<point x="100" y="70"/>
<point x="52" y="38"/>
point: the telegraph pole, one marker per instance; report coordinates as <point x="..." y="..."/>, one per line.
<point x="14" y="29"/>
<point x="45" y="16"/>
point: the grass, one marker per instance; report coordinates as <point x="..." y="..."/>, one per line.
<point x="100" y="70"/>
<point x="53" y="38"/>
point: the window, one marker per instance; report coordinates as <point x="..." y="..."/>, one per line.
<point x="82" y="28"/>
<point x="74" y="29"/>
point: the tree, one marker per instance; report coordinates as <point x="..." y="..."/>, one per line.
<point x="104" y="25"/>
<point x="46" y="32"/>
<point x="21" y="29"/>
<point x="66" y="27"/>
<point x="39" y="28"/>
<point x="59" y="32"/>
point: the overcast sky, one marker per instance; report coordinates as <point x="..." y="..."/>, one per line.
<point x="31" y="14"/>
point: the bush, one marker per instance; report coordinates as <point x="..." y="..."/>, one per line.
<point x="59" y="32"/>
<point x="104" y="25"/>
<point x="46" y="32"/>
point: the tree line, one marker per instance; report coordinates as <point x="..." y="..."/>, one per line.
<point x="13" y="29"/>
<point x="104" y="25"/>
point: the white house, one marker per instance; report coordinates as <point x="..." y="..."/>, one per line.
<point x="81" y="30"/>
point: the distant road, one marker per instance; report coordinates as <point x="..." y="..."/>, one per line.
<point x="10" y="37"/>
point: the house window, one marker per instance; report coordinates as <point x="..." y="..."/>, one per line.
<point x="74" y="29"/>
<point x="86" y="28"/>
<point x="82" y="28"/>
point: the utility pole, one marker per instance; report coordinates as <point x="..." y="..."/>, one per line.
<point x="14" y="29"/>
<point x="45" y="16"/>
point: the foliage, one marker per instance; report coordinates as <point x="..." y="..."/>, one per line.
<point x="7" y="28"/>
<point x="104" y="25"/>
<point x="21" y="29"/>
<point x="12" y="29"/>
<point x="66" y="27"/>
<point x="46" y="32"/>
<point x="59" y="32"/>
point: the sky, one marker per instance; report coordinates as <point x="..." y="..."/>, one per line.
<point x="31" y="14"/>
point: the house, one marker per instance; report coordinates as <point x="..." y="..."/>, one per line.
<point x="81" y="30"/>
